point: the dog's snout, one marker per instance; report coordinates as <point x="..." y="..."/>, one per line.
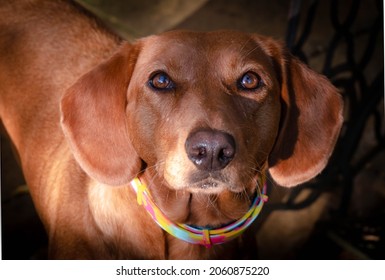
<point x="210" y="150"/>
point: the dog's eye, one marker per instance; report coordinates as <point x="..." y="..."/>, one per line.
<point x="250" y="81"/>
<point x="161" y="81"/>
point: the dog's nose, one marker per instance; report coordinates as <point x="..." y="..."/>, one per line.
<point x="210" y="150"/>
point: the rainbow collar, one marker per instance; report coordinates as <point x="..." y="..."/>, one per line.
<point x="202" y="236"/>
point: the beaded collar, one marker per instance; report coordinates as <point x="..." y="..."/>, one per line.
<point x="202" y="236"/>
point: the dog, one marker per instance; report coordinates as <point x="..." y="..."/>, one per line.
<point x="197" y="118"/>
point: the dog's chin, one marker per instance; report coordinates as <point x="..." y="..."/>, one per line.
<point x="209" y="186"/>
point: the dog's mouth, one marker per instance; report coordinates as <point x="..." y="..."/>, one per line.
<point x="211" y="183"/>
<point x="208" y="186"/>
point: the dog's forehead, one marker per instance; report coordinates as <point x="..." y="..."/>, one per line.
<point x="188" y="45"/>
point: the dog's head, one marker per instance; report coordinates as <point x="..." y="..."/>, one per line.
<point x="203" y="113"/>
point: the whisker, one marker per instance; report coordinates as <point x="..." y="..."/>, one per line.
<point x="252" y="50"/>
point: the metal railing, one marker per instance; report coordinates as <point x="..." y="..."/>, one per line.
<point x="363" y="94"/>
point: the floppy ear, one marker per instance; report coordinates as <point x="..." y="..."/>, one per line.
<point x="94" y="122"/>
<point x="311" y="118"/>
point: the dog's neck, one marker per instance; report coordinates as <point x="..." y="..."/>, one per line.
<point x="179" y="206"/>
<point x="207" y="235"/>
<point x="198" y="209"/>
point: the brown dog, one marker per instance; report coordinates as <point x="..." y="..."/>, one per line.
<point x="198" y="115"/>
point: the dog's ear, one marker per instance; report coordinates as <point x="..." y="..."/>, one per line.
<point x="311" y="118"/>
<point x="94" y="122"/>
